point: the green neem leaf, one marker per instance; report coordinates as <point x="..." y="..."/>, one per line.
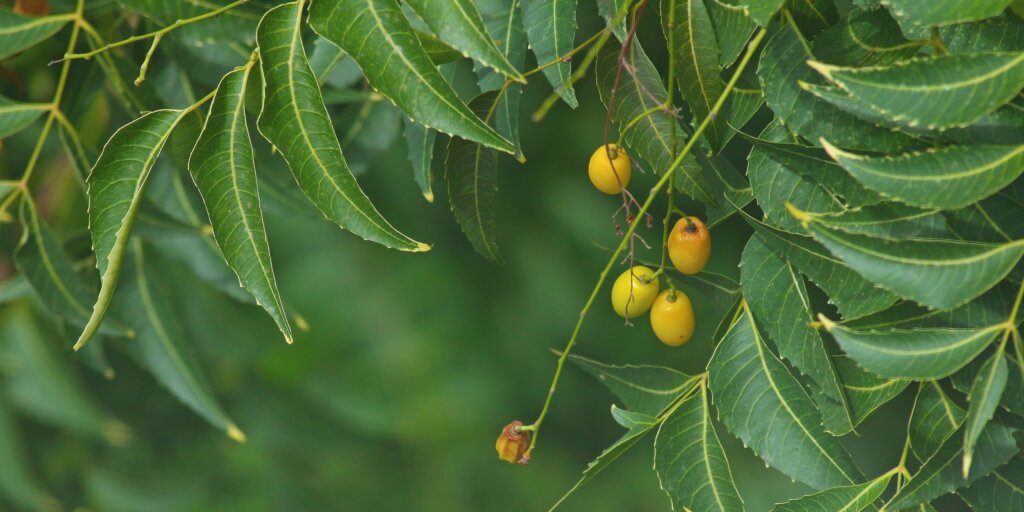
<point x="840" y="99"/>
<point x="1002" y="489"/>
<point x="991" y="308"/>
<point x="687" y="27"/>
<point x="691" y="465"/>
<point x="864" y="38"/>
<point x="223" y="169"/>
<point x="505" y="24"/>
<point x="814" y="164"/>
<point x="471" y="171"/>
<point x="935" y="417"/>
<point x="420" y="141"/>
<point x="237" y="24"/>
<point x="642" y="389"/>
<point x="945" y="12"/>
<point x="925" y="353"/>
<point x="15" y="117"/>
<point x="20" y="32"/>
<point x="609" y="10"/>
<point x="986" y="391"/>
<point x="994" y="219"/>
<point x="948" y="178"/>
<point x="851" y="293"/>
<point x="377" y="35"/>
<point x="892" y="220"/>
<point x="651" y="137"/>
<point x="295" y="120"/>
<point x="551" y="28"/>
<point x="942" y="472"/>
<point x="458" y="22"/>
<point x="766" y="407"/>
<point x="760" y="11"/>
<point x="937" y="273"/>
<point x="851" y="498"/>
<point x="1003" y="33"/>
<point x="782" y="69"/>
<point x="865" y="391"/>
<point x="937" y="92"/>
<point x="115" y="187"/>
<point x="50" y="272"/>
<point x="1004" y="126"/>
<point x="732" y="29"/>
<point x="777" y="295"/>
<point x="160" y="346"/>
<point x="813" y="16"/>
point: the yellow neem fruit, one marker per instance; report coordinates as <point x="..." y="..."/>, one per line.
<point x="672" y="318"/>
<point x="689" y="245"/>
<point x="609" y="175"/>
<point x="634" y="291"/>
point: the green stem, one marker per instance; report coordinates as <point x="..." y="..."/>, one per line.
<point x="156" y="33"/>
<point x="665" y="179"/>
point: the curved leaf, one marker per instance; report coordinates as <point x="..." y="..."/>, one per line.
<point x="766" y="407"/>
<point x="160" y="347"/>
<point x="937" y="273"/>
<point x="891" y="220"/>
<point x="642" y="389"/>
<point x="15" y="117"/>
<point x="948" y="178"/>
<point x="115" y="187"/>
<point x="937" y="92"/>
<point x="691" y="465"/>
<point x="986" y="391"/>
<point x="376" y="34"/>
<point x="925" y="353"/>
<point x="934" y="418"/>
<point x="420" y="141"/>
<point x="294" y="119"/>
<point x="458" y="23"/>
<point x="1002" y="489"/>
<point x="851" y="498"/>
<point x="504" y="22"/>
<point x="864" y="38"/>
<point x="20" y="32"/>
<point x="551" y="27"/>
<point x="733" y="29"/>
<point x="471" y="171"/>
<point x="223" y="169"/>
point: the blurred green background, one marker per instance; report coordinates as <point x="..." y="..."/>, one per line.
<point x="412" y="363"/>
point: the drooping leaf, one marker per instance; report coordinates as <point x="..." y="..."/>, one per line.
<point x="892" y="220"/>
<point x="223" y="169"/>
<point x="551" y="28"/>
<point x="865" y="391"/>
<point x="115" y="187"/>
<point x="642" y="389"/>
<point x="688" y="29"/>
<point x="864" y="38"/>
<point x="783" y="67"/>
<point x="732" y="29"/>
<point x="377" y="35"/>
<point x="160" y="345"/>
<point x="948" y="178"/>
<point x="937" y="273"/>
<point x="761" y="11"/>
<point x="937" y="92"/>
<point x="986" y="391"/>
<point x="924" y="353"/>
<point x="610" y="10"/>
<point x="854" y="295"/>
<point x="505" y="24"/>
<point x="777" y="295"/>
<point x="458" y="22"/>
<point x="1002" y="489"/>
<point x="471" y="171"/>
<point x="850" y="498"/>
<point x="934" y="418"/>
<point x="766" y="407"/>
<point x="945" y="12"/>
<point x="942" y="472"/>
<point x="294" y="119"/>
<point x="20" y="32"/>
<point x="691" y="465"/>
<point x="652" y="136"/>
<point x="15" y="117"/>
<point x="420" y="141"/>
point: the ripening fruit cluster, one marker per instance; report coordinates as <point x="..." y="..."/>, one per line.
<point x="638" y="290"/>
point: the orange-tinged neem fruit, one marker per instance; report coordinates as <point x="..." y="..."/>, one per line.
<point x="672" y="318"/>
<point x="634" y="291"/>
<point x="513" y="443"/>
<point x="689" y="245"/>
<point x="609" y="175"/>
